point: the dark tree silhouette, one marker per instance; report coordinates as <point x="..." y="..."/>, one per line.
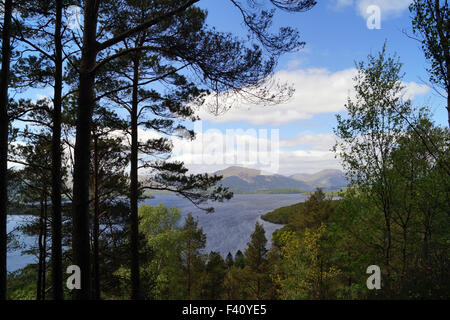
<point x="236" y="68"/>
<point x="4" y="130"/>
<point x="41" y="32"/>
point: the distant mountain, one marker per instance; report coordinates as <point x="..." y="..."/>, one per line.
<point x="323" y="179"/>
<point x="250" y="180"/>
<point x="245" y="179"/>
<point x="241" y="172"/>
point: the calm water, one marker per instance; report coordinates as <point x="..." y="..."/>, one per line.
<point x="15" y="259"/>
<point x="228" y="229"/>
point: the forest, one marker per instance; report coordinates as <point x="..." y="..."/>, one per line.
<point x="75" y="161"/>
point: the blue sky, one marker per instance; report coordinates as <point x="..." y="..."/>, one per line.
<point x="336" y="35"/>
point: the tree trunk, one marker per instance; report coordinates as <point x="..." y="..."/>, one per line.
<point x="57" y="281"/>
<point x="41" y="252"/>
<point x="188" y="265"/>
<point x="134" y="219"/>
<point x="95" y="231"/>
<point x="42" y="243"/>
<point x="80" y="210"/>
<point x="4" y="122"/>
<point x="387" y="281"/>
<point x="448" y="108"/>
<point x="44" y="247"/>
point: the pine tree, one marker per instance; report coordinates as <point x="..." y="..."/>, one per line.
<point x="34" y="192"/>
<point x="40" y="30"/>
<point x="192" y="241"/>
<point x="226" y="65"/>
<point x="212" y="284"/>
<point x="229" y="260"/>
<point x="144" y="68"/>
<point x="4" y="132"/>
<point x="256" y="262"/>
<point x="108" y="183"/>
<point x="239" y="259"/>
<point x="256" y="251"/>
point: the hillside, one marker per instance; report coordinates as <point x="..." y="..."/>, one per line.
<point x="247" y="180"/>
<point x="282" y="215"/>
<point x="241" y="172"/>
<point x="262" y="182"/>
<point x="323" y="179"/>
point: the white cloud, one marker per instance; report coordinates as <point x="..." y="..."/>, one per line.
<point x="316" y="156"/>
<point x="302" y="161"/>
<point x="308" y="152"/>
<point x="389" y="8"/>
<point x="414" y="89"/>
<point x="143" y="136"/>
<point x="317" y="91"/>
<point x="319" y="141"/>
<point x="216" y="149"/>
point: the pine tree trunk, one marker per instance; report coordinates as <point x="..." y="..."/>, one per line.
<point x="57" y="281"/>
<point x="95" y="231"/>
<point x="41" y="251"/>
<point x="4" y="121"/>
<point x="44" y="263"/>
<point x="134" y="219"/>
<point x="80" y="210"/>
<point x="188" y="263"/>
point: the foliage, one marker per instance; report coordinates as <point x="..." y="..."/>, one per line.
<point x="305" y="271"/>
<point x="430" y="20"/>
<point x="283" y="214"/>
<point x="399" y="186"/>
<point x="22" y="284"/>
<point x="303" y="211"/>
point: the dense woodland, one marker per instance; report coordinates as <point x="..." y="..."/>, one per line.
<point x="149" y="64"/>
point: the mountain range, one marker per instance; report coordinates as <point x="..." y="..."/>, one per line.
<point x="252" y="180"/>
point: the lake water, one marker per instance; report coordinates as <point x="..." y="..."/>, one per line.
<point x="228" y="229"/>
<point x="15" y="259"/>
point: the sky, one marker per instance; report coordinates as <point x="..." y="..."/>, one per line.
<point x="296" y="137"/>
<point x="337" y="35"/>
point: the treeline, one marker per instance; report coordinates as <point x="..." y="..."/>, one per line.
<point x="321" y="253"/>
<point x="395" y="214"/>
<point x="284" y="214"/>
<point x="103" y="72"/>
<point x="175" y="266"/>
